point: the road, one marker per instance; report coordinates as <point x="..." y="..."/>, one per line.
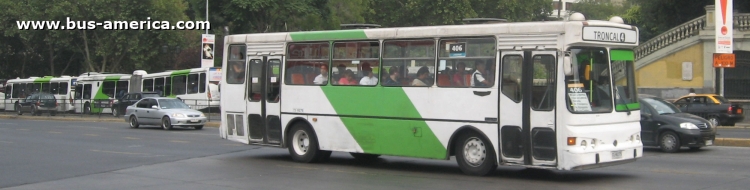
<point x="743" y="133"/>
<point x="86" y="155"/>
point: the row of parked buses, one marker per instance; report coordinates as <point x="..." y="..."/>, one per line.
<point x="96" y="92"/>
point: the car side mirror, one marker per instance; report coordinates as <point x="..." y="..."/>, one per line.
<point x="645" y="116"/>
<point x="154" y="107"/>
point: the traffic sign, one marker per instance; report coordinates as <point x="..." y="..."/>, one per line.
<point x="724" y="60"/>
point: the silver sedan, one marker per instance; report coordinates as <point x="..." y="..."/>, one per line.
<point x="167" y="112"/>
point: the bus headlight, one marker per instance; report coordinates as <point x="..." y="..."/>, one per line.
<point x="178" y="115"/>
<point x="688" y="126"/>
<point x="584" y="144"/>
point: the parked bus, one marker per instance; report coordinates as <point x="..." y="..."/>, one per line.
<point x="61" y="87"/>
<point x="198" y="87"/>
<point x="532" y="94"/>
<point x="95" y="92"/>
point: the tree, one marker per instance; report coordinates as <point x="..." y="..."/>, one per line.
<point x="394" y="13"/>
<point x="513" y="10"/>
<point x="598" y="9"/>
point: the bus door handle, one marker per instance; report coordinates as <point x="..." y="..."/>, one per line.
<point x="482" y="93"/>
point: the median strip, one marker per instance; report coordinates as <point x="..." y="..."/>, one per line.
<point x="732" y="142"/>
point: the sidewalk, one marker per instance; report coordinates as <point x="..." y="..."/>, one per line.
<point x="85" y="119"/>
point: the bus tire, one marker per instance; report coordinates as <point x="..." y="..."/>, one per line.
<point x="669" y="142"/>
<point x="18" y="109"/>
<point x="87" y="108"/>
<point x="134" y="122"/>
<point x="364" y="156"/>
<point x="166" y="123"/>
<point x="474" y="154"/>
<point x="303" y="145"/>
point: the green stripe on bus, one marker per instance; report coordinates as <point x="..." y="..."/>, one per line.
<point x="181" y="72"/>
<point x="328" y="35"/>
<point x="631" y="106"/>
<point x="112" y="78"/>
<point x="622" y="55"/>
<point x="399" y="137"/>
<point x="38" y="80"/>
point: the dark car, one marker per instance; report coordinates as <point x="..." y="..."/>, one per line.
<point x="664" y="125"/>
<point x="712" y="107"/>
<point x="119" y="106"/>
<point x="37" y="103"/>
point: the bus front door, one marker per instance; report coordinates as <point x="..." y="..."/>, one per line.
<point x="263" y="97"/>
<point x="527" y="112"/>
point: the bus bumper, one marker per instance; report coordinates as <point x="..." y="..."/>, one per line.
<point x="577" y="159"/>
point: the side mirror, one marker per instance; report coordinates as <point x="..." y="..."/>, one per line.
<point x="567" y="66"/>
<point x="154" y="107"/>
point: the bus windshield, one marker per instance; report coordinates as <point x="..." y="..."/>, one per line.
<point x="589" y="89"/>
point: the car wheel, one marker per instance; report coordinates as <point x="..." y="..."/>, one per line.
<point x="115" y="112"/>
<point x="166" y="123"/>
<point x="669" y="142"/>
<point x="714" y="120"/>
<point x="365" y="156"/>
<point x="33" y="111"/>
<point x="474" y="154"/>
<point x="18" y="109"/>
<point x="303" y="145"/>
<point x="134" y="122"/>
<point x="199" y="127"/>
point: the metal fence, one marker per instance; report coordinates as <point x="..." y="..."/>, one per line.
<point x="101" y="108"/>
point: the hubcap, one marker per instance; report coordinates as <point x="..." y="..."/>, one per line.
<point x="714" y="121"/>
<point x="474" y="151"/>
<point x="132" y="122"/>
<point x="301" y="142"/>
<point x="669" y="142"/>
<point x="165" y="123"/>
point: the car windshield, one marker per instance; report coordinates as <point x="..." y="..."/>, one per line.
<point x="721" y="99"/>
<point x="172" y="104"/>
<point x="150" y="95"/>
<point x="662" y="107"/>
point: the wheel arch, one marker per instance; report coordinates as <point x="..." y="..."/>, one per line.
<point x="291" y="123"/>
<point x="464" y="129"/>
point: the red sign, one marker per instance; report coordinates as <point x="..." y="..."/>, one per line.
<point x="724" y="60"/>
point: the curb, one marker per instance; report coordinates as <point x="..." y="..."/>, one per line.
<point x="732" y="142"/>
<point x="113" y="120"/>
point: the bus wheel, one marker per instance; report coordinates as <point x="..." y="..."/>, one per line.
<point x="365" y="156"/>
<point x="166" y="123"/>
<point x="474" y="154"/>
<point x="18" y="109"/>
<point x="303" y="145"/>
<point x="87" y="109"/>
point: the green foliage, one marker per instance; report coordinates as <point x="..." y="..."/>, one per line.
<point x="598" y="9"/>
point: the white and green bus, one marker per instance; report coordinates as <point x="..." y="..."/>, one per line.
<point x="198" y="87"/>
<point x="532" y="94"/>
<point x="96" y="92"/>
<point x="61" y="87"/>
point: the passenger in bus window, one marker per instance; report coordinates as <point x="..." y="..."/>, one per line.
<point x="340" y="69"/>
<point x="322" y="78"/>
<point x="369" y="78"/>
<point x="458" y="76"/>
<point x="477" y="78"/>
<point x="422" y="77"/>
<point x="491" y="69"/>
<point x="238" y="73"/>
<point x="348" y="78"/>
<point x="393" y="77"/>
<point x="236" y="55"/>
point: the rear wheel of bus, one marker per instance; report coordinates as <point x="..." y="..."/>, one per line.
<point x="474" y="154"/>
<point x="303" y="145"/>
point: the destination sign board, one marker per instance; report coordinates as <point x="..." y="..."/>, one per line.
<point x="610" y="34"/>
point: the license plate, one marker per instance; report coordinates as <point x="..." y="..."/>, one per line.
<point x="709" y="142"/>
<point x="616" y="154"/>
<point x="195" y="121"/>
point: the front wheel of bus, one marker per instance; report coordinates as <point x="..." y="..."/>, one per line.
<point x="474" y="154"/>
<point x="303" y="145"/>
